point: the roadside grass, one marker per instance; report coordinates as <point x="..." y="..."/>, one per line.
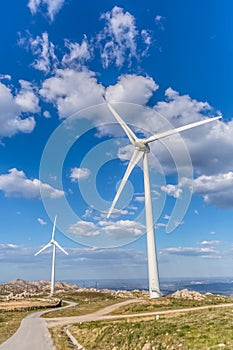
<point x="169" y="303"/>
<point x="9" y="323"/>
<point x="87" y="302"/>
<point x="196" y="330"/>
<point x="10" y="320"/>
<point x="60" y="339"/>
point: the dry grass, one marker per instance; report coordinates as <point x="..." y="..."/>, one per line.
<point x="9" y="323"/>
<point x="169" y="303"/>
<point x="27" y="304"/>
<point x="60" y="339"/>
<point x="87" y="302"/>
<point x="10" y="320"/>
<point x="199" y="330"/>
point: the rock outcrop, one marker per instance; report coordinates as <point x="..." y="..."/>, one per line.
<point x="188" y="294"/>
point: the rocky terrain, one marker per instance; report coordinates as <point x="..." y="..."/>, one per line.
<point x="19" y="289"/>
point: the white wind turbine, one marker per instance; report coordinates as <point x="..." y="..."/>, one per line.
<point x="141" y="151"/>
<point x="54" y="244"/>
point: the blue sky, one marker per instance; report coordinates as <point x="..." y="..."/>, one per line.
<point x="161" y="64"/>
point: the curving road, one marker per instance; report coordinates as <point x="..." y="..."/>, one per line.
<point x="32" y="334"/>
<point x="102" y="314"/>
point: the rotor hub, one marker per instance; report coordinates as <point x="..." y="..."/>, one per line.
<point x="141" y="146"/>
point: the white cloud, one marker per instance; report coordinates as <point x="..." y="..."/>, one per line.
<point x="12" y="109"/>
<point x="79" y="174"/>
<point x="5" y="77"/>
<point x="191" y="251"/>
<point x="52" y="7"/>
<point x="160" y="224"/>
<point x="71" y="91"/>
<point x="43" y="49"/>
<point x="84" y="229"/>
<point x="159" y="21"/>
<point x="118" y="40"/>
<point x="116" y="229"/>
<point x="122" y="228"/>
<point x="216" y="189"/>
<point x="172" y="190"/>
<point x="210" y="243"/>
<point x="26" y="99"/>
<point x="181" y="108"/>
<point x="16" y="184"/>
<point x="140" y="199"/>
<point x="78" y="53"/>
<point x="132" y="88"/>
<point x="41" y="221"/>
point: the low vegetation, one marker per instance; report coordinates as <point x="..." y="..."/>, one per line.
<point x="12" y="313"/>
<point x="87" y="302"/>
<point x="169" y="303"/>
<point x="9" y="323"/>
<point x="197" y="330"/>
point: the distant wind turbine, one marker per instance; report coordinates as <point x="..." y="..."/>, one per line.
<point x="142" y="149"/>
<point x="53" y="243"/>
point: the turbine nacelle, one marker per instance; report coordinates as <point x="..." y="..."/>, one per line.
<point x="142" y="146"/>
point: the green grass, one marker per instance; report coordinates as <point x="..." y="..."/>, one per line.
<point x="60" y="339"/>
<point x="168" y="303"/>
<point x="88" y="302"/>
<point x="197" y="330"/>
<point x="9" y="323"/>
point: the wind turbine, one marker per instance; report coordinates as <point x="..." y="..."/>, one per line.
<point x="54" y="244"/>
<point x="142" y="149"/>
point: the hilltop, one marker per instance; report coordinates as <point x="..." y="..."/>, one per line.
<point x="24" y="288"/>
<point x="19" y="289"/>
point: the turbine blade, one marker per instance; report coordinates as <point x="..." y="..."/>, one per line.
<point x="54" y="226"/>
<point x="42" y="249"/>
<point x="137" y="155"/>
<point x="132" y="137"/>
<point x="181" y="128"/>
<point x="59" y="247"/>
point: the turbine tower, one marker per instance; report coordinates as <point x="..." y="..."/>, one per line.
<point x="54" y="244"/>
<point x="142" y="150"/>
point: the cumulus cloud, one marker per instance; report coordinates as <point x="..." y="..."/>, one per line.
<point x="122" y="228"/>
<point x="71" y="90"/>
<point x="26" y="99"/>
<point x="216" y="189"/>
<point x="16" y="184"/>
<point x="52" y="7"/>
<point x="118" y="39"/>
<point x="172" y="190"/>
<point x="132" y="88"/>
<point x="181" y="107"/>
<point x="14" y="109"/>
<point x="116" y="229"/>
<point x="79" y="174"/>
<point x="84" y="229"/>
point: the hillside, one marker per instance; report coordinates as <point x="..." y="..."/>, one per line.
<point x="25" y="288"/>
